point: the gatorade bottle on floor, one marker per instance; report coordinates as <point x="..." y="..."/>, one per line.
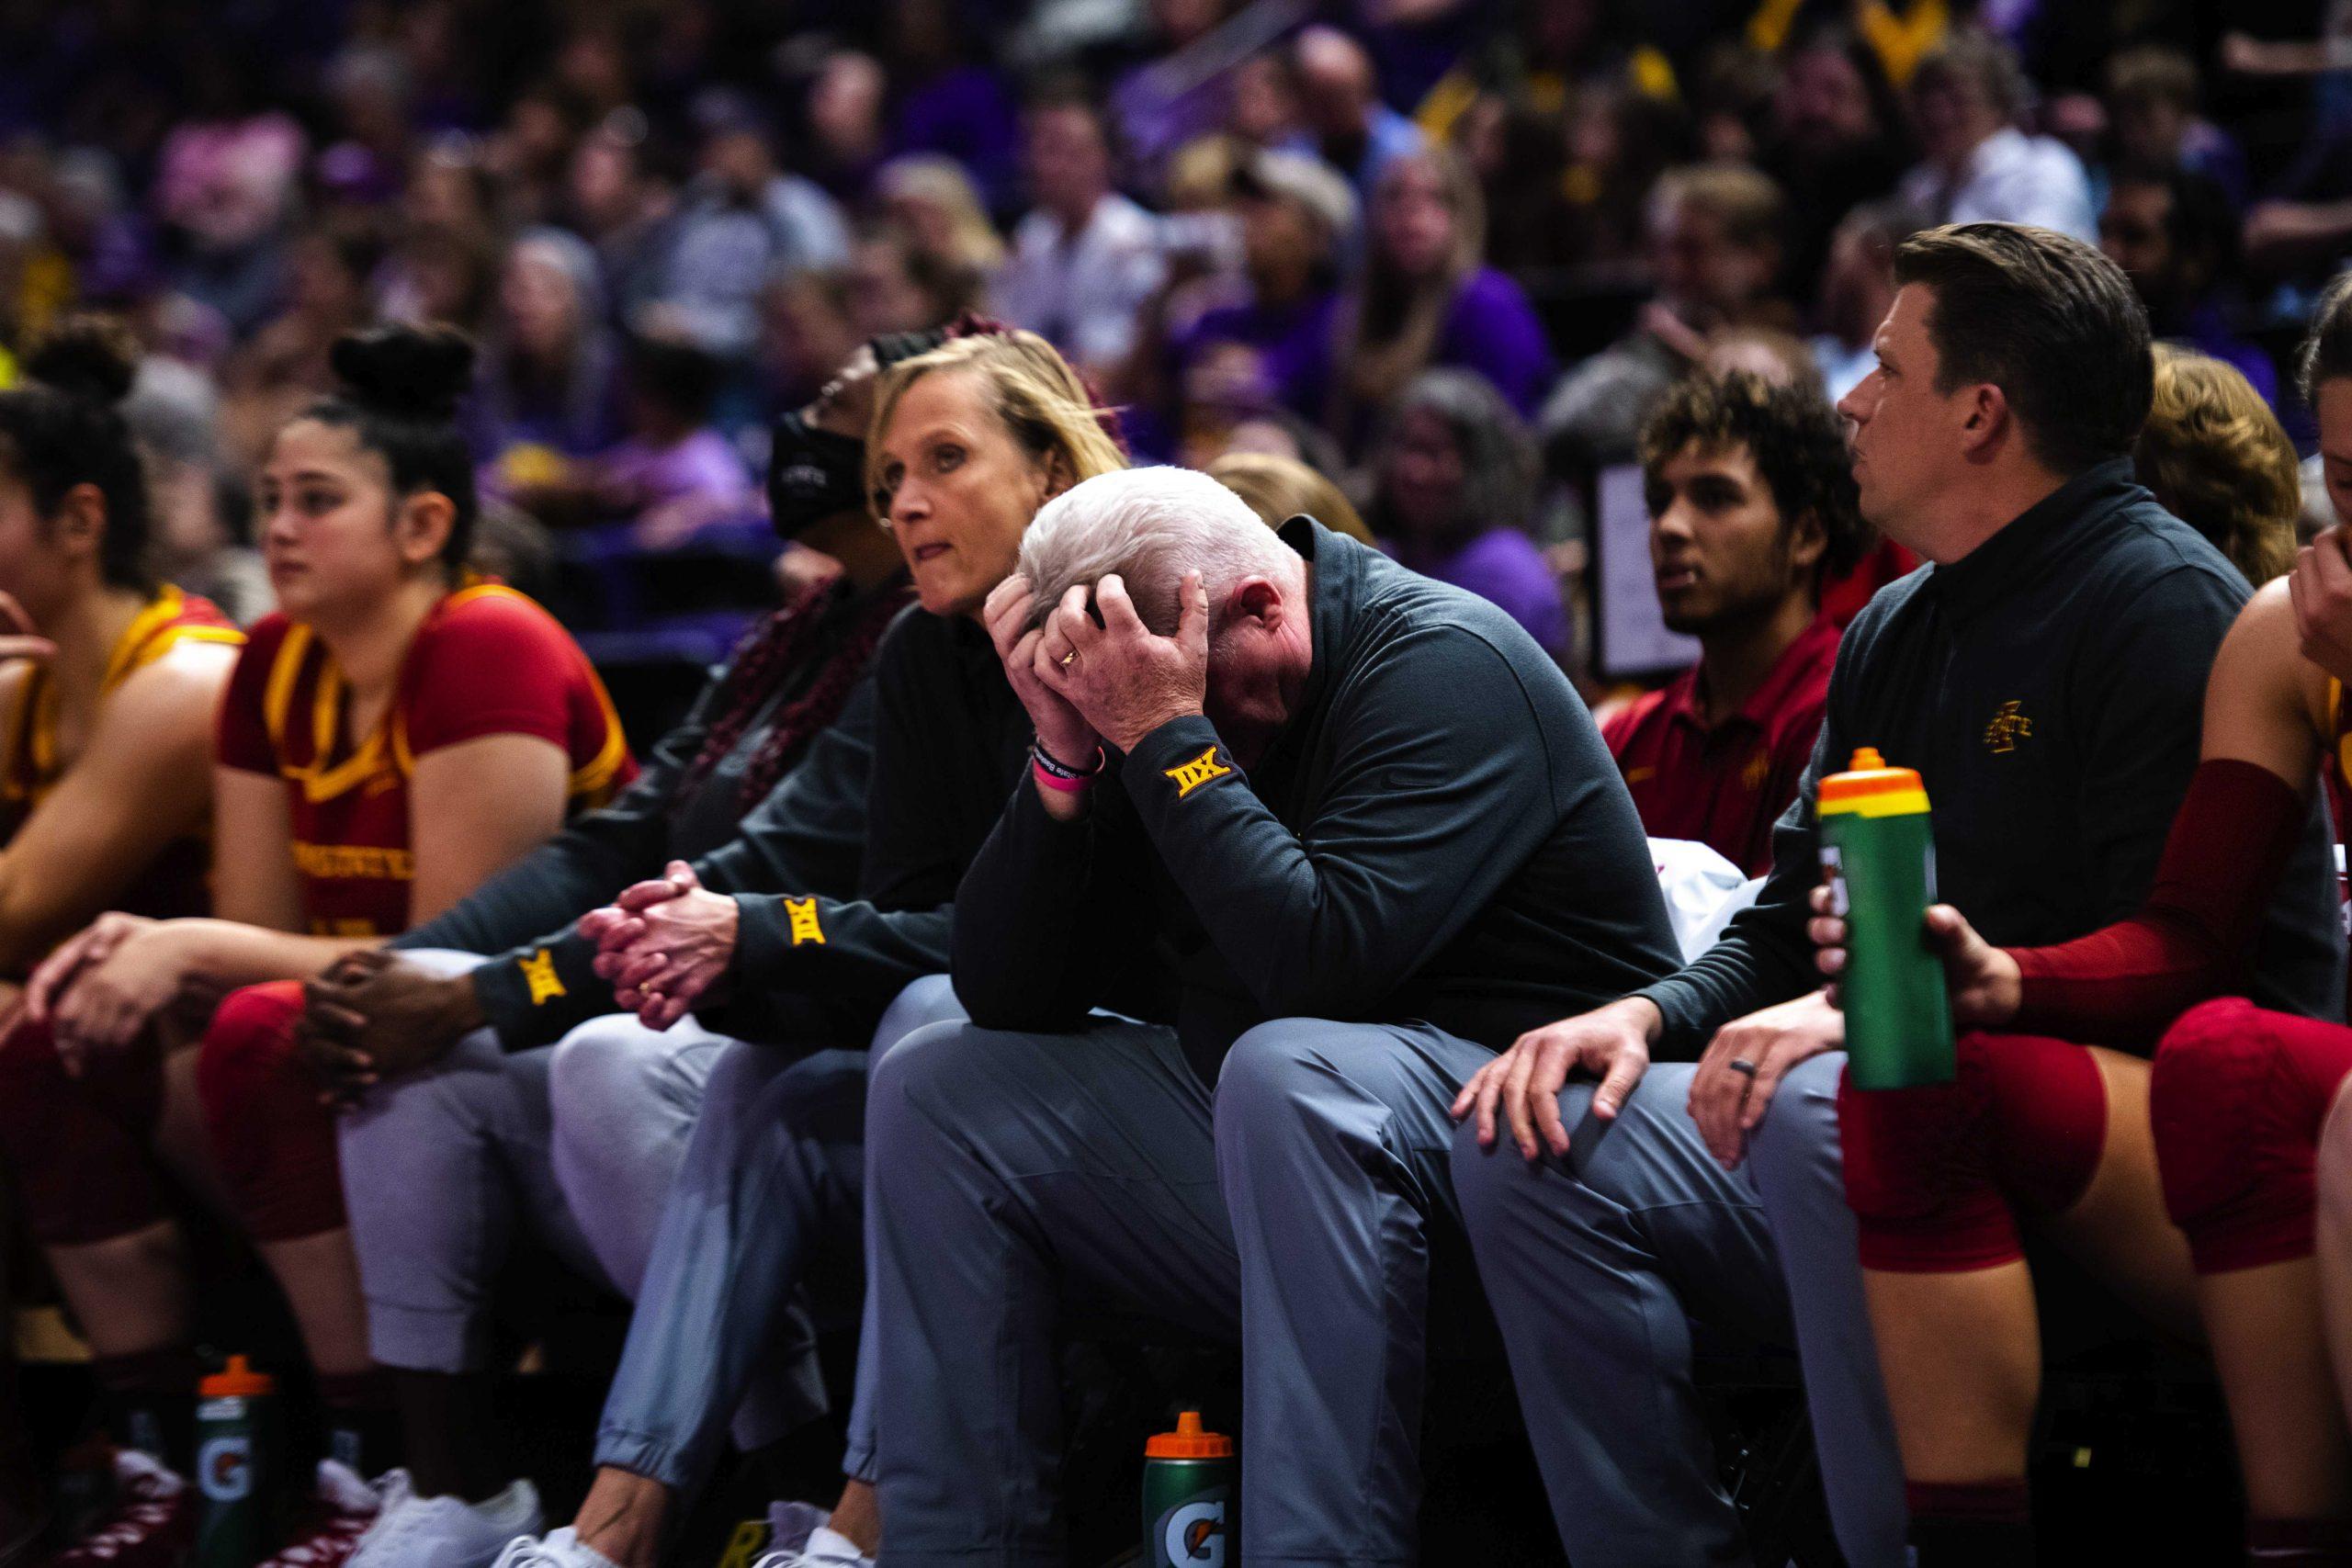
<point x="233" y="1467"/>
<point x="1879" y="857"/>
<point x="1188" y="1497"/>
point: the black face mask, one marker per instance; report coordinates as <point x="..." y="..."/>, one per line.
<point x="812" y="475"/>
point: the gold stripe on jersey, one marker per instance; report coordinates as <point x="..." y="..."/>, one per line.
<point x="32" y="763"/>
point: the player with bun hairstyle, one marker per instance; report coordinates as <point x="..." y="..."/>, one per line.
<point x="391" y="688"/>
<point x="106" y="694"/>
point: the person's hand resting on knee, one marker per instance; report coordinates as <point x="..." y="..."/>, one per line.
<point x="371" y="1016"/>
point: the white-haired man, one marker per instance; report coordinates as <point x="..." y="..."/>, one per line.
<point x="1352" y="829"/>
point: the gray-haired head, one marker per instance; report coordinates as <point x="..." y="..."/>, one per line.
<point x="1499" y="467"/>
<point x="1150" y="527"/>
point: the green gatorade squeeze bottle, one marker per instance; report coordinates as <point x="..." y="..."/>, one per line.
<point x="234" y="1527"/>
<point x="1879" y="857"/>
<point x="1188" y="1512"/>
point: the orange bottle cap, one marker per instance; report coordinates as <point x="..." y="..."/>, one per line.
<point x="236" y="1380"/>
<point x="1869" y="787"/>
<point x="1188" y="1442"/>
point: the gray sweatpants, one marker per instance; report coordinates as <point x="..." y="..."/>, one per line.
<point x="1019" y="1177"/>
<point x="772" y="1181"/>
<point x="447" y="1165"/>
<point x="1594" y="1267"/>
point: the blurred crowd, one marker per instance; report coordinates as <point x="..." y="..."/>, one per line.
<point x="1450" y="253"/>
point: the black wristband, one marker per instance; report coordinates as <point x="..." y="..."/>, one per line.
<point x="1062" y="770"/>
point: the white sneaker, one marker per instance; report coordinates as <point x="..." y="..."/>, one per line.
<point x="444" y="1532"/>
<point x="562" y="1549"/>
<point x="803" y="1530"/>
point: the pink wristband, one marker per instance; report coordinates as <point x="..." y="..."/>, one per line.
<point x="1055" y="781"/>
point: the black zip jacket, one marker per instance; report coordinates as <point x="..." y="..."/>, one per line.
<point x="2049" y="690"/>
<point x="949" y="740"/>
<point x="808" y="832"/>
<point x="1437" y="834"/>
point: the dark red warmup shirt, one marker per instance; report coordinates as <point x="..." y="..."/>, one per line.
<point x="1726" y="787"/>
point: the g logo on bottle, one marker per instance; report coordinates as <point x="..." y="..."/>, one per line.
<point x="1194" y="1533"/>
<point x="224" y="1467"/>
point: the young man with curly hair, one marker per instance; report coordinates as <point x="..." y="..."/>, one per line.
<point x="1752" y="508"/>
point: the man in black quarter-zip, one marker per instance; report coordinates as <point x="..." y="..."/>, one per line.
<point x="1364" y="825"/>
<point x="2045" y="675"/>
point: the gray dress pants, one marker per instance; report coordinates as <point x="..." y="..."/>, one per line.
<point x="1595" y="1265"/>
<point x="771" y="1179"/>
<point x="1017" y="1178"/>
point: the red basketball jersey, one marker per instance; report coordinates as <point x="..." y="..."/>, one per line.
<point x="179" y="880"/>
<point x="486" y="661"/>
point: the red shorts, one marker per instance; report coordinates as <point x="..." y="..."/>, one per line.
<point x="1937" y="1176"/>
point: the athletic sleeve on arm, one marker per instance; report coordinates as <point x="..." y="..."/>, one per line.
<point x="2192" y="938"/>
<point x="493" y="665"/>
<point x="1433" y="803"/>
<point x="242" y="735"/>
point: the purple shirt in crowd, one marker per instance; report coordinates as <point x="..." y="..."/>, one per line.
<point x="1293" y="343"/>
<point x="703" y="465"/>
<point x="1493" y="330"/>
<point x="1503" y="567"/>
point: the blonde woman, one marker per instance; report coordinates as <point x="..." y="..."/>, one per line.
<point x="1423" y="299"/>
<point x="967" y="442"/>
<point x="2217" y="457"/>
<point x="1278" y="489"/>
<point x="933" y="201"/>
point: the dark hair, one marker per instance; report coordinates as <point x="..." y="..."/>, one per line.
<point x="399" y="398"/>
<point x="2200" y="223"/>
<point x="62" y="427"/>
<point x="680" y="379"/>
<point x="1072" y="90"/>
<point x="1836" y="36"/>
<point x="2152" y="73"/>
<point x="2327" y="353"/>
<point x="1795" y="439"/>
<point x="2047" y="318"/>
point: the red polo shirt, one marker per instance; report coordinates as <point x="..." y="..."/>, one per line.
<point x="1726" y="787"/>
